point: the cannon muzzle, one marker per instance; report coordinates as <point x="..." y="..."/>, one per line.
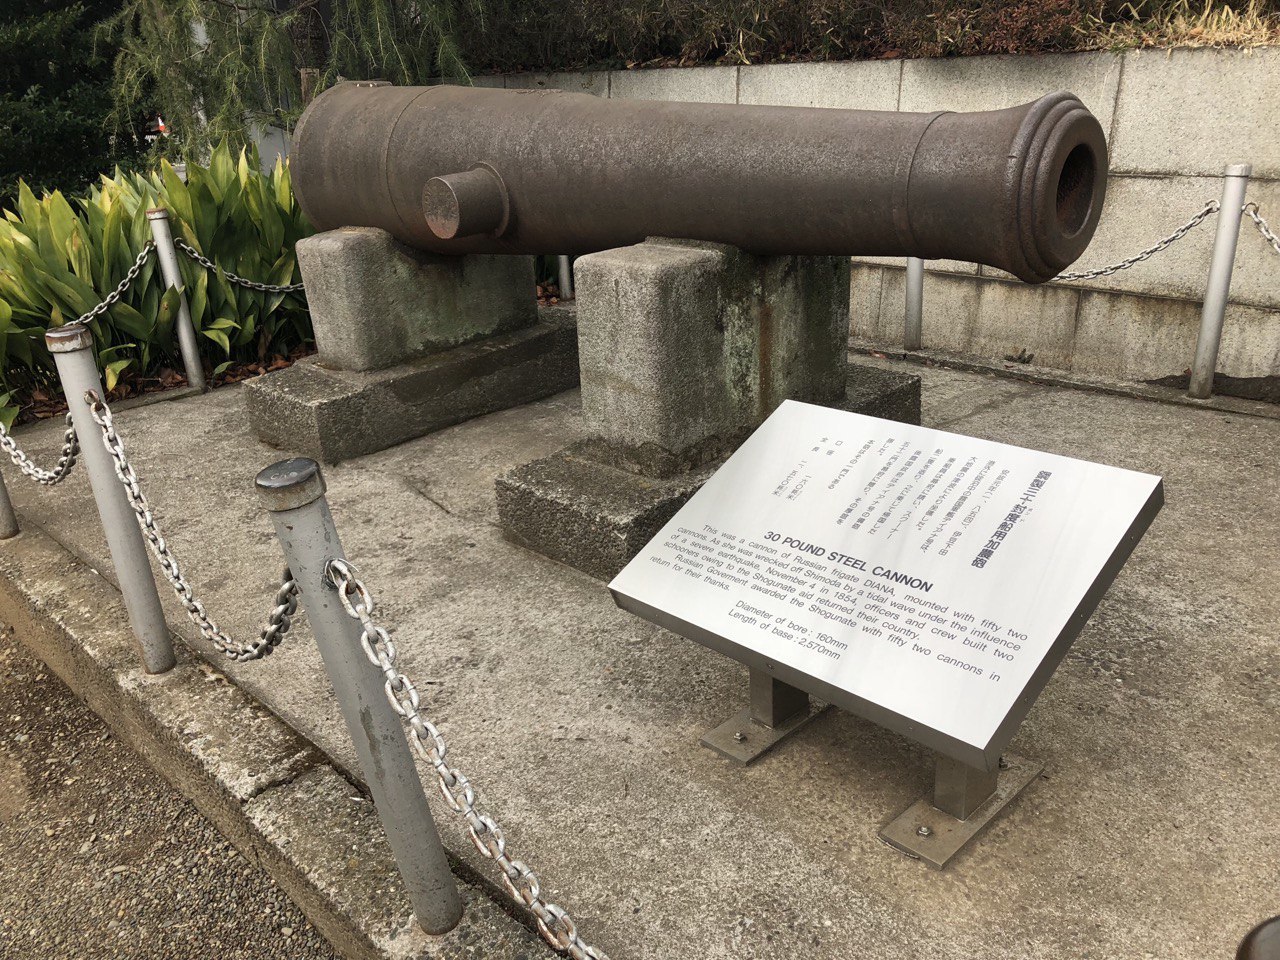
<point x="460" y="170"/>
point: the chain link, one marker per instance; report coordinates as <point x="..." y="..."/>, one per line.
<point x="70" y="445"/>
<point x="1251" y="211"/>
<point x="1211" y="207"/>
<point x="208" y="264"/>
<point x="556" y="926"/>
<point x="286" y="600"/>
<point x="114" y="296"/>
<point x="66" y="460"/>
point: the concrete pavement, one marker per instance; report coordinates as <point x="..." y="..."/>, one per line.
<point x="1151" y="834"/>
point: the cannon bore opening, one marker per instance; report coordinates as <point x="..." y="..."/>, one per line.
<point x="1075" y="189"/>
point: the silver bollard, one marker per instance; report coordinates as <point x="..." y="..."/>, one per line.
<point x="8" y="519"/>
<point x="566" y="278"/>
<point x="293" y="492"/>
<point x="168" y="256"/>
<point x="913" y="334"/>
<point x="72" y="349"/>
<point x="1234" y="184"/>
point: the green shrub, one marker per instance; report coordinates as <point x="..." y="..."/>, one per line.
<point x="60" y="258"/>
<point x="55" y="97"/>
<point x="550" y="35"/>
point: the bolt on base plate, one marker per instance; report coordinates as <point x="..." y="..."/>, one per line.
<point x="743" y="739"/>
<point x="926" y="833"/>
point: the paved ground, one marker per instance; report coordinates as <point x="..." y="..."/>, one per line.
<point x="99" y="858"/>
<point x="1154" y="832"/>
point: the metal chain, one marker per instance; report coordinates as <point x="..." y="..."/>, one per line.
<point x="208" y="264"/>
<point x="1210" y="208"/>
<point x="286" y="601"/>
<point x="114" y="296"/>
<point x="1251" y="211"/>
<point x="556" y="926"/>
<point x="66" y="459"/>
<point x="70" y="445"/>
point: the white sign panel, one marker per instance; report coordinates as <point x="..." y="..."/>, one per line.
<point x="927" y="580"/>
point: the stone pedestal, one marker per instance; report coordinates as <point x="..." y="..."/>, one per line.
<point x="685" y="348"/>
<point x="409" y="342"/>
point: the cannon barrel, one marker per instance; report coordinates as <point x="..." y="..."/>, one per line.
<point x="459" y="170"/>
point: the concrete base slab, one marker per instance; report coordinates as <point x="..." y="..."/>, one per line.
<point x="594" y="515"/>
<point x="588" y="514"/>
<point x="579" y="723"/>
<point x="334" y="415"/>
<point x="924" y="832"/>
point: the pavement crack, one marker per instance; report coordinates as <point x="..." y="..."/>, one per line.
<point x="996" y="402"/>
<point x="424" y="491"/>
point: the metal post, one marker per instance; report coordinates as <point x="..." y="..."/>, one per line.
<point x="959" y="789"/>
<point x="1234" y="184"/>
<point x="773" y="702"/>
<point x="293" y="492"/>
<point x="72" y="349"/>
<point x="8" y="519"/>
<point x="911" y="337"/>
<point x="168" y="256"/>
<point x="566" y="279"/>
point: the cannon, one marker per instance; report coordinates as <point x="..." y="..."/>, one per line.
<point x="461" y="170"/>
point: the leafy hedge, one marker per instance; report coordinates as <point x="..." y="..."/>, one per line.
<point x="551" y="35"/>
<point x="59" y="258"/>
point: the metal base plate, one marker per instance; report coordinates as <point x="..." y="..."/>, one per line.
<point x="926" y="833"/>
<point x="756" y="738"/>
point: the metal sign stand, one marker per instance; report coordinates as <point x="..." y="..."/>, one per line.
<point x="965" y="800"/>
<point x="777" y="710"/>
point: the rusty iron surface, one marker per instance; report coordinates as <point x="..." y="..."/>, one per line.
<point x="546" y="171"/>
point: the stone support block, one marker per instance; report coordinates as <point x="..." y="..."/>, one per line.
<point x="376" y="302"/>
<point x="408" y="343"/>
<point x="332" y="415"/>
<point x="586" y="509"/>
<point x="687" y="346"/>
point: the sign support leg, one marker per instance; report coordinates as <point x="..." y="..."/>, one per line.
<point x="776" y="711"/>
<point x="964" y="803"/>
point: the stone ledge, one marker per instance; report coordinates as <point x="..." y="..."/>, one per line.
<point x="269" y="791"/>
<point x="334" y="415"/>
<point x="585" y="513"/>
<point x="1049" y="377"/>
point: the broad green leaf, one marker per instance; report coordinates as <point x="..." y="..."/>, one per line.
<point x="111" y="373"/>
<point x="133" y="323"/>
<point x="63" y="221"/>
<point x="219" y="337"/>
<point x="176" y="196"/>
<point x="199" y="299"/>
<point x="167" y="315"/>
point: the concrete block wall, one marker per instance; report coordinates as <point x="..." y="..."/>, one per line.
<point x="1174" y="120"/>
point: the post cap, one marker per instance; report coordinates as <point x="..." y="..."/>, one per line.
<point x="157" y="213"/>
<point x="68" y="338"/>
<point x="1238" y="170"/>
<point x="290" y="484"/>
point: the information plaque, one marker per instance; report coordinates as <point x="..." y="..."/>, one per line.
<point x="928" y="581"/>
